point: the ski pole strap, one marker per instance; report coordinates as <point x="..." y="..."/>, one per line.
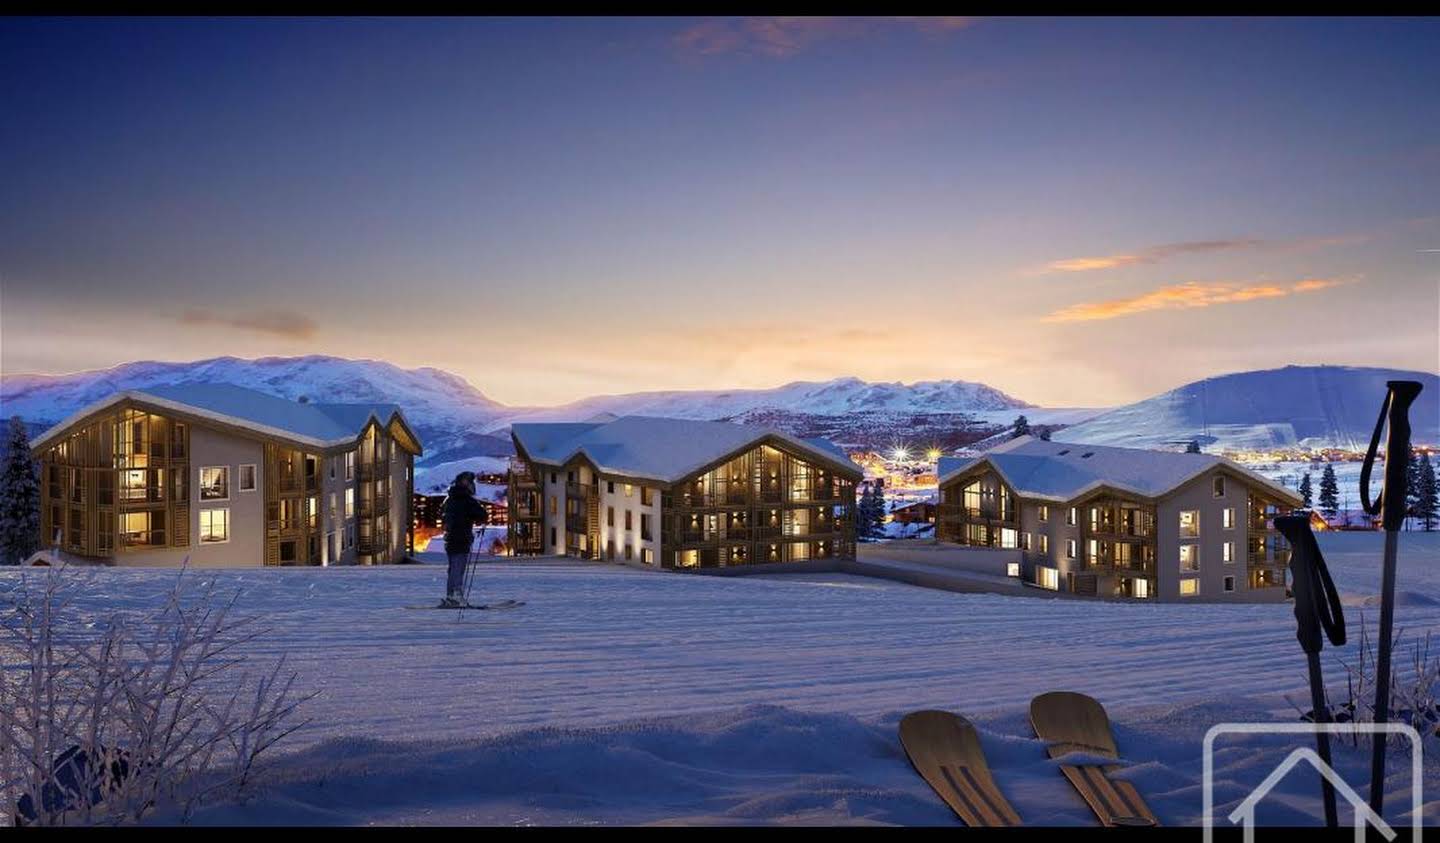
<point x="1395" y="411"/>
<point x="1317" y="601"/>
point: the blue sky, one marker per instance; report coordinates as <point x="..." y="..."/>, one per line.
<point x="1076" y="211"/>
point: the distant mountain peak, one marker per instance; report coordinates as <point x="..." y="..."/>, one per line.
<point x="1289" y="407"/>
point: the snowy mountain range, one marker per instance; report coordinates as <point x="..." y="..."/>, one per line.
<point x="1297" y="406"/>
<point x="839" y="397"/>
<point x="457" y="422"/>
<point x="1312" y="406"/>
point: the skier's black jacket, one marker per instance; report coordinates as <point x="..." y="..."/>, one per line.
<point x="461" y="513"/>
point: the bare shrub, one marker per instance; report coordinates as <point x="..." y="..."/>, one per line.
<point x="103" y="720"/>
<point x="1414" y="686"/>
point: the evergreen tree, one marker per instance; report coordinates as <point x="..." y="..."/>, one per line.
<point x="863" y="517"/>
<point x="1306" y="493"/>
<point x="1022" y="427"/>
<point x="1329" y="493"/>
<point x="19" y="499"/>
<point x="1412" y="488"/>
<point x="1429" y="507"/>
<point x="877" y="511"/>
<point x="1045" y="433"/>
<point x="1193" y="447"/>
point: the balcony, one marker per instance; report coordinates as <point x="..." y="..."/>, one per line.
<point x="1135" y="568"/>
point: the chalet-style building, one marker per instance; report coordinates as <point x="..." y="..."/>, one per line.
<point x="682" y="494"/>
<point x="228" y="476"/>
<point x="1120" y="522"/>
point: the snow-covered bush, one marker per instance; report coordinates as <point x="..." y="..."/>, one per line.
<point x="103" y="719"/>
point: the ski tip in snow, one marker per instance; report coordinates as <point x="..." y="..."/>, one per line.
<point x="500" y="604"/>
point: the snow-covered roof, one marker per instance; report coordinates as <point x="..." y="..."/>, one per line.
<point x="1061" y="471"/>
<point x="666" y="450"/>
<point x="319" y="425"/>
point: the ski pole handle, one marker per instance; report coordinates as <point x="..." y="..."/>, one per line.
<point x="1396" y="415"/>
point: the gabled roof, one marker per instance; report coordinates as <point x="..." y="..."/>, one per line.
<point x="661" y="449"/>
<point x="1062" y="471"/>
<point x="316" y="425"/>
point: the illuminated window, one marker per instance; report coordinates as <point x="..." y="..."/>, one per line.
<point x="629" y="490"/>
<point x="1046" y="577"/>
<point x="1012" y="569"/>
<point x="1189" y="524"/>
<point x="1070" y="516"/>
<point x="1189" y="587"/>
<point x="1189" y="557"/>
<point x="1227" y="552"/>
<point x="214" y="526"/>
<point x="349" y="503"/>
<point x="1008" y="538"/>
<point x="647" y="556"/>
<point x="1044" y="513"/>
<point x="1142" y="589"/>
<point x="349" y="465"/>
<point x="1069" y="548"/>
<point x="1044" y="543"/>
<point x="247" y="478"/>
<point x="1228" y="517"/>
<point x="215" y="483"/>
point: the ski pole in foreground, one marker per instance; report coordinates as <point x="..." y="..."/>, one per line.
<point x="1391" y="507"/>
<point x="1317" y="610"/>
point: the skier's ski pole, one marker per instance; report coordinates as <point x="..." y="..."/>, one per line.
<point x="470" y="574"/>
<point x="1317" y="611"/>
<point x="1391" y="507"/>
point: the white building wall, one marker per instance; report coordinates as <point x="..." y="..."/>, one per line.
<point x="1198" y="496"/>
<point x="626" y="497"/>
<point x="553" y="533"/>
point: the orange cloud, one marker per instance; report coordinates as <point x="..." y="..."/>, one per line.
<point x="1154" y="254"/>
<point x="280" y="323"/>
<point x="782" y="37"/>
<point x="1190" y="294"/>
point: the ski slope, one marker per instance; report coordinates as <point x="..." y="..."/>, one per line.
<point x="624" y="696"/>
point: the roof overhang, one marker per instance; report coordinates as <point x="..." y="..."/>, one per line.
<point x="188" y="412"/>
<point x="787" y="442"/>
<point x="1102" y="484"/>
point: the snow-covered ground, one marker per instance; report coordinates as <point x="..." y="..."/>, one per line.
<point x="625" y="696"/>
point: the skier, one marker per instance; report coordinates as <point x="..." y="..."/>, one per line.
<point x="461" y="512"/>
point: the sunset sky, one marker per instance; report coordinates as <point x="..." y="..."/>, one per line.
<point x="1078" y="212"/>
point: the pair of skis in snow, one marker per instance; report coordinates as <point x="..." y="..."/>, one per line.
<point x="945" y="749"/>
<point x="499" y="604"/>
